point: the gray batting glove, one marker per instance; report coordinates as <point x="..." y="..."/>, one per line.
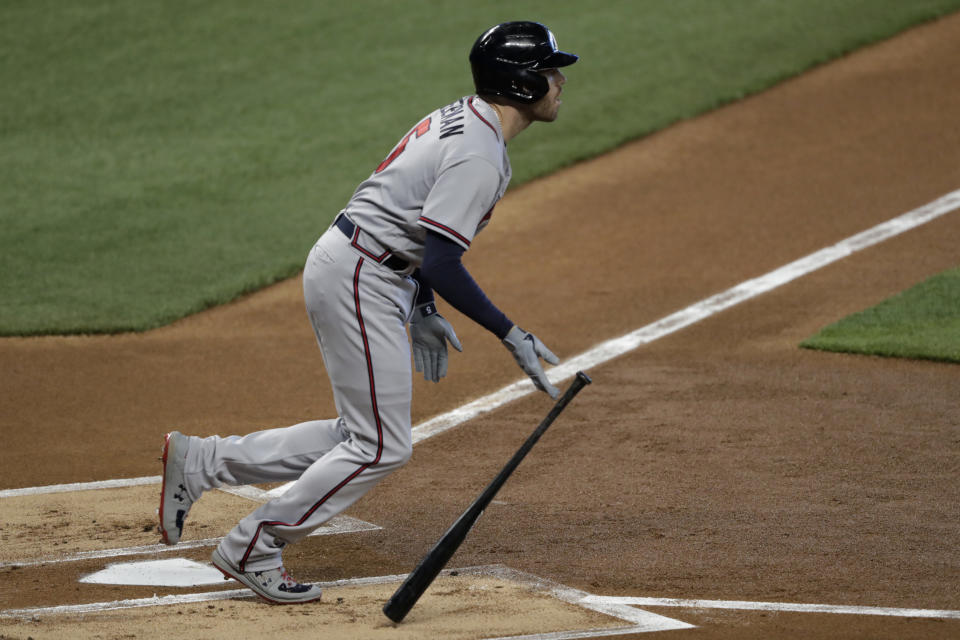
<point x="527" y="350"/>
<point x="429" y="332"/>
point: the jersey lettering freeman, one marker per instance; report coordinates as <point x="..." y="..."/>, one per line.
<point x="446" y="175"/>
<point x="451" y="120"/>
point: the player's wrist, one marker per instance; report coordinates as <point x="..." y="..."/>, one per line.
<point x="424" y="311"/>
<point x="512" y="337"/>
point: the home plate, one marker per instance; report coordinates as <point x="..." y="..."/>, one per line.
<point x="173" y="572"/>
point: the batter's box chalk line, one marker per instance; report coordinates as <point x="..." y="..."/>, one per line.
<point x="636" y="620"/>
<point x="335" y="526"/>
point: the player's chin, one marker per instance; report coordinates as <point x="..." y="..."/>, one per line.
<point x="547" y="115"/>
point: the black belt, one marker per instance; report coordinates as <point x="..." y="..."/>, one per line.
<point x="387" y="259"/>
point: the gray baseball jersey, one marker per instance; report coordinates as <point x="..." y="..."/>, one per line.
<point x="446" y="175"/>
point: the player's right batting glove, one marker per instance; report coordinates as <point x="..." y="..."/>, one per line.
<point x="429" y="332"/>
<point x="527" y="350"/>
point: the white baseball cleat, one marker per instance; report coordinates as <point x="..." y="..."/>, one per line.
<point x="175" y="503"/>
<point x="273" y="585"/>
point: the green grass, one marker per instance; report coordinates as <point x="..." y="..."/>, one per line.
<point x="922" y="322"/>
<point x="160" y="158"/>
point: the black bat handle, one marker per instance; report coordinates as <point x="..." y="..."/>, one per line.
<point x="420" y="578"/>
<point x="580" y="381"/>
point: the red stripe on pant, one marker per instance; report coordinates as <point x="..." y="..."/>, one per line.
<point x="376" y="416"/>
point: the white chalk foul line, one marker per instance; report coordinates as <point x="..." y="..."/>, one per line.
<point x="611" y="349"/>
<point x="777" y="606"/>
<point x="615" y="347"/>
<point x="696" y="312"/>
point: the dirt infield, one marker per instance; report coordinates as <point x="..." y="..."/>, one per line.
<point x="718" y="463"/>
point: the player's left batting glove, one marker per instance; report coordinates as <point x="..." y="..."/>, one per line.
<point x="429" y="332"/>
<point x="527" y="351"/>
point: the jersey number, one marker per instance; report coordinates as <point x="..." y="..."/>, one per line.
<point x="420" y="129"/>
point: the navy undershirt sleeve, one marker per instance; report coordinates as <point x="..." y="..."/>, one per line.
<point x="424" y="293"/>
<point x="443" y="272"/>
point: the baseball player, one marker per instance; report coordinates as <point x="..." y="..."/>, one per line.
<point x="399" y="239"/>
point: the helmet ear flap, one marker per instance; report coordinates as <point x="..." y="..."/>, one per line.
<point x="531" y="85"/>
<point x="522" y="85"/>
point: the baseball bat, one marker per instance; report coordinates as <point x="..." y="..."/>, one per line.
<point x="403" y="599"/>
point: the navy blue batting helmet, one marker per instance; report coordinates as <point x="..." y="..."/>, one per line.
<point x="506" y="59"/>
